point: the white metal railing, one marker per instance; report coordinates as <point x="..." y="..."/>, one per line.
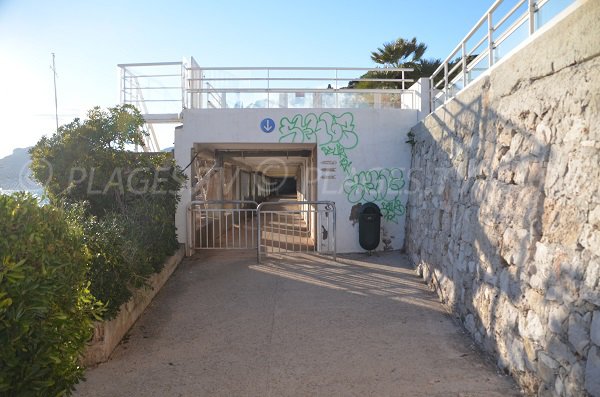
<point x="161" y="90"/>
<point x="296" y="226"/>
<point x="506" y="24"/>
<point x="288" y="87"/>
<point x="154" y="88"/>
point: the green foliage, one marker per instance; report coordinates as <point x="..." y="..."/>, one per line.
<point x="87" y="160"/>
<point x="113" y="262"/>
<point x="401" y="53"/>
<point x="126" y="249"/>
<point x="46" y="309"/>
<point x="130" y="198"/>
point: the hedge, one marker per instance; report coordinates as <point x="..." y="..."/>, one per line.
<point x="46" y="308"/>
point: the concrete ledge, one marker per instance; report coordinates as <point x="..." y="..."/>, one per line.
<point x="108" y="334"/>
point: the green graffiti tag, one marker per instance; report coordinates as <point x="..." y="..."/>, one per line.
<point x="380" y="186"/>
<point x="339" y="152"/>
<point x="392" y="209"/>
<point x="335" y="136"/>
<point x="324" y="129"/>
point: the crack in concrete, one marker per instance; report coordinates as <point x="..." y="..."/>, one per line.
<point x="526" y="81"/>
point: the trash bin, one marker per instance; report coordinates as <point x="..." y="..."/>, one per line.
<point x="369" y="222"/>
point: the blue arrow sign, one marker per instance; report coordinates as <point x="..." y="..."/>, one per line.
<point x="267" y="125"/>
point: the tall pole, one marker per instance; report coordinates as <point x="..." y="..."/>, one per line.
<point x="55" y="96"/>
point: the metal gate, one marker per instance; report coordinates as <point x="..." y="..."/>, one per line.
<point x="222" y="224"/>
<point x="296" y="226"/>
<point x="280" y="227"/>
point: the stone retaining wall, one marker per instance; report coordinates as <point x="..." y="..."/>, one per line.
<point x="108" y="334"/>
<point x="504" y="217"/>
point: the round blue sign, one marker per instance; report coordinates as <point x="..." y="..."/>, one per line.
<point x="267" y="125"/>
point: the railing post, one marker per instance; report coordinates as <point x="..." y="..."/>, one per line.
<point x="531" y="11"/>
<point x="402" y="78"/>
<point x="431" y="95"/>
<point x="183" y="86"/>
<point x="334" y="234"/>
<point x="490" y="39"/>
<point x="258" y="237"/>
<point x="464" y="63"/>
<point x="446" y="80"/>
<point x="188" y="238"/>
<point x="268" y="88"/>
<point x="122" y="87"/>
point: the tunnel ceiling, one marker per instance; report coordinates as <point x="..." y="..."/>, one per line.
<point x="277" y="161"/>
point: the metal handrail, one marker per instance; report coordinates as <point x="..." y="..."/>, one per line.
<point x="329" y="205"/>
<point x="197" y="85"/>
<point x="465" y="65"/>
<point x="212" y="202"/>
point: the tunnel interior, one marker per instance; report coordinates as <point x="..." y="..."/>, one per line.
<point x="253" y="172"/>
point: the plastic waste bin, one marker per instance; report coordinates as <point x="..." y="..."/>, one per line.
<point x="369" y="226"/>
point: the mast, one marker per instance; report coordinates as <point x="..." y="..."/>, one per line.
<point x="55" y="96"/>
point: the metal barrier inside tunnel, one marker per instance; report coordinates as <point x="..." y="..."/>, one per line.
<point x="222" y="224"/>
<point x="296" y="226"/>
<point x="281" y="227"/>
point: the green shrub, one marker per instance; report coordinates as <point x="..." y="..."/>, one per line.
<point x="46" y="309"/>
<point x="112" y="271"/>
<point x="130" y="197"/>
<point x="127" y="249"/>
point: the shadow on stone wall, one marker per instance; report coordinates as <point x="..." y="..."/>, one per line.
<point x="503" y="220"/>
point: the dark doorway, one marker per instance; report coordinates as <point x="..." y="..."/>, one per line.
<point x="286" y="186"/>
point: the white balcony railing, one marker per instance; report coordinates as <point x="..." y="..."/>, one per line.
<point x="162" y="90"/>
<point x="505" y="25"/>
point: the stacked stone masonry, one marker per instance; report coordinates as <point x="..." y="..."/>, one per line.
<point x="504" y="209"/>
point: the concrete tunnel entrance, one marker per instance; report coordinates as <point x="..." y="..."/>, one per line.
<point x="253" y="172"/>
<point x="229" y="181"/>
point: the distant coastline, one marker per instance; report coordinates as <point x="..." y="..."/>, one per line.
<point x="15" y="174"/>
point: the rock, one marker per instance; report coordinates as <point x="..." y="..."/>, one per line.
<point x="590" y="239"/>
<point x="592" y="372"/>
<point x="508" y="315"/>
<point x="472" y="265"/>
<point x="559" y="386"/>
<point x="515" y="246"/>
<point x="578" y="333"/>
<point x="470" y="323"/>
<point x="532" y="327"/>
<point x="516" y="354"/>
<point x="594" y="217"/>
<point x="574" y="380"/>
<point x="590" y="289"/>
<point x="547" y="367"/>
<point x="541" y="268"/>
<point x="556" y="318"/>
<point x="595" y="328"/>
<point x="560" y="351"/>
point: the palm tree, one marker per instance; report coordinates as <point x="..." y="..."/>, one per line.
<point x="399" y="53"/>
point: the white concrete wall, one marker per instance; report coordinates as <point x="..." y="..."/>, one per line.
<point x="362" y="155"/>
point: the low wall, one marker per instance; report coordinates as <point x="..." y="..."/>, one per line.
<point x="108" y="334"/>
<point x="504" y="211"/>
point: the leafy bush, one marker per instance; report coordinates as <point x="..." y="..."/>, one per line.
<point x="46" y="309"/>
<point x="113" y="262"/>
<point x="130" y="197"/>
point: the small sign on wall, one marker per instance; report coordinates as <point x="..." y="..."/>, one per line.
<point x="267" y="125"/>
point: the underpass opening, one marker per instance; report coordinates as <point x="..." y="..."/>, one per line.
<point x="229" y="181"/>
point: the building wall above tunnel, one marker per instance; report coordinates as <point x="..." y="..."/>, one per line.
<point x="362" y="155"/>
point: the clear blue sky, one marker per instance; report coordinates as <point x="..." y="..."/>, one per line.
<point x="90" y="38"/>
